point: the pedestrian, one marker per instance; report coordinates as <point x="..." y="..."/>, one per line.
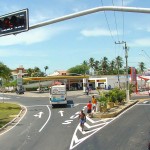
<point x="82" y="118"/>
<point x="87" y="91"/>
<point x="89" y="109"/>
<point x="149" y="92"/>
<point x="94" y="102"/>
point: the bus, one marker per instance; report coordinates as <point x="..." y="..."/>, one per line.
<point x="58" y="95"/>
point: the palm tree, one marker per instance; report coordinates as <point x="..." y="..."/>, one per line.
<point x="85" y="66"/>
<point x="142" y="67"/>
<point x="29" y="71"/>
<point x="96" y="66"/>
<point x="46" y="67"/>
<point x="112" y="67"/>
<point x="119" y="64"/>
<point x="104" y="65"/>
<point x="91" y="63"/>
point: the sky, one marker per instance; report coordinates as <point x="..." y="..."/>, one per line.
<point x="65" y="44"/>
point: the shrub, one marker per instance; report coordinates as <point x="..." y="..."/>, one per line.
<point x="31" y="89"/>
<point x="117" y="95"/>
<point x="102" y="98"/>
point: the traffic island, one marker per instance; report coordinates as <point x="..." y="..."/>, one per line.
<point x="113" y="112"/>
<point x="11" y="113"/>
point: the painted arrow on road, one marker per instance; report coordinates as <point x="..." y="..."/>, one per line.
<point x="39" y="114"/>
<point x="61" y="113"/>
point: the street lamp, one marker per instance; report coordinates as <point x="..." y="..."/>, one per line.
<point x="126" y="57"/>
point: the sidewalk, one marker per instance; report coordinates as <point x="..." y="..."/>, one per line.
<point x="46" y="93"/>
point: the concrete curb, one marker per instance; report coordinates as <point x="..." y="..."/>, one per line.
<point x="14" y="119"/>
<point x="115" y="112"/>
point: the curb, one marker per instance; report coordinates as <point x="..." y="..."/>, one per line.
<point x="13" y="120"/>
<point x="113" y="114"/>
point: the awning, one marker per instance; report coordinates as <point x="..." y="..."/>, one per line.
<point x="54" y="78"/>
<point x="146" y="78"/>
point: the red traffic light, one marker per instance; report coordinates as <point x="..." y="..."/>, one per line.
<point x="14" y="23"/>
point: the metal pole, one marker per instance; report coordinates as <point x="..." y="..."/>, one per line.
<point x="127" y="81"/>
<point x="90" y="11"/>
<point x="126" y="57"/>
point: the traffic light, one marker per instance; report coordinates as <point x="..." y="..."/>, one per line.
<point x="14" y="23"/>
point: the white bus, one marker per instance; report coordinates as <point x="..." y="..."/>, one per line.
<point x="58" y="95"/>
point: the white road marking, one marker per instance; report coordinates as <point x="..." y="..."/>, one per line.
<point x="145" y="102"/>
<point x="4" y="98"/>
<point x="36" y="106"/>
<point x="39" y="114"/>
<point x="67" y="122"/>
<point x="61" y="113"/>
<point x="47" y="119"/>
<point x="75" y="141"/>
<point x="78" y="141"/>
<point x="92" y="121"/>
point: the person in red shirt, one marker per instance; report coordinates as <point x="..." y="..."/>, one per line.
<point x="89" y="108"/>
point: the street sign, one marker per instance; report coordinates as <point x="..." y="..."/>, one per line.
<point x="14" y="23"/>
<point x="19" y="79"/>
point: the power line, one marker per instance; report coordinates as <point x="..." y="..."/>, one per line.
<point x="115" y="21"/>
<point x="108" y="23"/>
<point x="123" y="23"/>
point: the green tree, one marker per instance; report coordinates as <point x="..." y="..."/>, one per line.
<point x="104" y="65"/>
<point x="91" y="63"/>
<point x="96" y="66"/>
<point x="5" y="72"/>
<point x="78" y="69"/>
<point x="112" y="67"/>
<point x="118" y="64"/>
<point x="46" y="67"/>
<point x="85" y="67"/>
<point x="29" y="71"/>
<point x="141" y="67"/>
<point x="35" y="72"/>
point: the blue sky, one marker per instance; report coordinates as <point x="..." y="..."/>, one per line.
<point x="66" y="44"/>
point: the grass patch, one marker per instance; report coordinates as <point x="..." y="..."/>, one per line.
<point x="8" y="112"/>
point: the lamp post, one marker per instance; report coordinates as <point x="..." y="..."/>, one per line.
<point x="126" y="57"/>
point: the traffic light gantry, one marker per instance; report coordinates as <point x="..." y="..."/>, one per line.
<point x="14" y="23"/>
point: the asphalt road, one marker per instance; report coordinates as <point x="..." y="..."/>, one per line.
<point x="47" y="128"/>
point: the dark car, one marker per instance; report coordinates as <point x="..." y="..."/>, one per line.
<point x="20" y="91"/>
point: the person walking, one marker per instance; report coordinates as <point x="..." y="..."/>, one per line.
<point x="82" y="118"/>
<point x="89" y="109"/>
<point x="94" y="102"/>
<point x="149" y="92"/>
<point x="87" y="91"/>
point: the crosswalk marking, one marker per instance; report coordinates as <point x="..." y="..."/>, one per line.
<point x="87" y="133"/>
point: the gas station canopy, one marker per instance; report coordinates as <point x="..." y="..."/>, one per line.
<point x="54" y="78"/>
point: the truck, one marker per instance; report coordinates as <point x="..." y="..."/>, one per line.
<point x="58" y="95"/>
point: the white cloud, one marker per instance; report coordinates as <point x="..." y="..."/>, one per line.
<point x="31" y="37"/>
<point x="97" y="32"/>
<point x="20" y="53"/>
<point x="125" y="2"/>
<point x="144" y="42"/>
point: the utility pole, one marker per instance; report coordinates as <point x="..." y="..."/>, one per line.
<point x="126" y="57"/>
